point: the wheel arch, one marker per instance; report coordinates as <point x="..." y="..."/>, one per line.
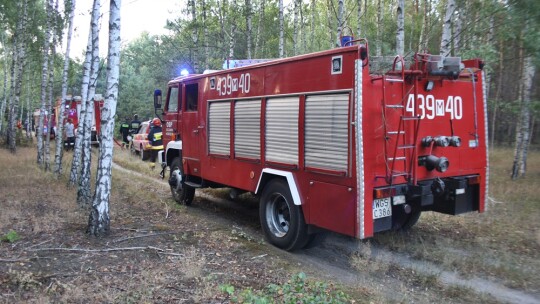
<point x="173" y="150"/>
<point x="267" y="174"/>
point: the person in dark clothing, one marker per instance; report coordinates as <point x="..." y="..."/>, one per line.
<point x="155" y="141"/>
<point x="135" y="124"/>
<point x="124" y="131"/>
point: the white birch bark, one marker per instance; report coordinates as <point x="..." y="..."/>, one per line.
<point x="61" y="114"/>
<point x="281" y="48"/>
<point x="84" y="194"/>
<point x="205" y="38"/>
<point x="259" y="25"/>
<point x="232" y="35"/>
<point x="400" y="34"/>
<point x="99" y="221"/>
<point x="458" y="26"/>
<point x="378" y="46"/>
<point x="523" y="132"/>
<point x="44" y="81"/>
<point x="446" y="36"/>
<point x="359" y="17"/>
<point x="50" y="106"/>
<point x="339" y="22"/>
<point x="249" y="28"/>
<point x="6" y="75"/>
<point x="20" y="60"/>
<point x="76" y="163"/>
<point x="312" y="26"/>
<point x="295" y="28"/>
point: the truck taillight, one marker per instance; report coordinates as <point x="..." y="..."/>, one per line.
<point x="474" y="180"/>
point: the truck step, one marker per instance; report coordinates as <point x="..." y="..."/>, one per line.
<point x="193" y="185"/>
<point x="397" y="158"/>
<point x="395" y="132"/>
<point x="406" y="147"/>
<point x="394" y="79"/>
<point x="395" y="106"/>
<point x="400" y="174"/>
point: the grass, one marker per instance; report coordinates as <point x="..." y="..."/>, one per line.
<point x="502" y="243"/>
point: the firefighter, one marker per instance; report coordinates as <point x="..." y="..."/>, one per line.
<point x="135" y="125"/>
<point x="155" y="143"/>
<point x="69" y="135"/>
<point x="124" y="131"/>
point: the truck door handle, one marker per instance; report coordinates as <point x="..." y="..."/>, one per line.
<point x="195" y="131"/>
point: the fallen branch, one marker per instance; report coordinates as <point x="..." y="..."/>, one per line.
<point x="99" y="250"/>
<point x="141" y="236"/>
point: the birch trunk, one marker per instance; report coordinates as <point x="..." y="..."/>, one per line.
<point x="76" y="163"/>
<point x="339" y="22"/>
<point x="378" y="49"/>
<point x="295" y="28"/>
<point x="446" y="36"/>
<point x="424" y="35"/>
<point x="312" y="26"/>
<point x="281" y="31"/>
<point x="232" y="36"/>
<point x="205" y="38"/>
<point x="61" y="114"/>
<point x="99" y="221"/>
<point x="21" y="54"/>
<point x="4" y="94"/>
<point x="249" y="28"/>
<point x="259" y="25"/>
<point x="524" y="123"/>
<point x="50" y="92"/>
<point x="359" y="17"/>
<point x="44" y="81"/>
<point x="84" y="196"/>
<point x="400" y="34"/>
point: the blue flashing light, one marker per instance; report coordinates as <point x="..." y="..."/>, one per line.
<point x="184" y="72"/>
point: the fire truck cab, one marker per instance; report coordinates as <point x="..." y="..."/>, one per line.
<point x="327" y="144"/>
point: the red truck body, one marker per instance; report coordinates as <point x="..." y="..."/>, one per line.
<point x="73" y="111"/>
<point x="359" y="152"/>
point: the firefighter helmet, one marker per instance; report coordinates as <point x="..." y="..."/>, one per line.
<point x="156" y="122"/>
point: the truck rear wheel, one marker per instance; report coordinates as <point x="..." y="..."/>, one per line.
<point x="183" y="194"/>
<point x="409" y="221"/>
<point x="282" y="221"/>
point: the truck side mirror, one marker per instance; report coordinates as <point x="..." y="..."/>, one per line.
<point x="157" y="99"/>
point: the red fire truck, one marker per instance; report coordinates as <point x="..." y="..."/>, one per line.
<point x="73" y="110"/>
<point x="327" y="144"/>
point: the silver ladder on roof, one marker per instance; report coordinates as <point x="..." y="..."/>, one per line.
<point x="399" y="147"/>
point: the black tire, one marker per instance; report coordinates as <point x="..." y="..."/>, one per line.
<point x="145" y="155"/>
<point x="409" y="221"/>
<point x="282" y="221"/>
<point x="184" y="196"/>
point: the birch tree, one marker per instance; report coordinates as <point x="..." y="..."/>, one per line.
<point x="259" y="25"/>
<point x="50" y="104"/>
<point x="295" y="26"/>
<point x="99" y="221"/>
<point x="359" y="17"/>
<point x="4" y="94"/>
<point x="446" y="36"/>
<point x="44" y="81"/>
<point x="60" y="127"/>
<point x="249" y="27"/>
<point x="378" y="47"/>
<point x="77" y="153"/>
<point x="19" y="59"/>
<point x="232" y="34"/>
<point x="84" y="196"/>
<point x="281" y="48"/>
<point x="339" y="22"/>
<point x="400" y="34"/>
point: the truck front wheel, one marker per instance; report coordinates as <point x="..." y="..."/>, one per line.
<point x="282" y="221"/>
<point x="182" y="193"/>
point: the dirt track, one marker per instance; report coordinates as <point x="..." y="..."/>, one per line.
<point x="330" y="258"/>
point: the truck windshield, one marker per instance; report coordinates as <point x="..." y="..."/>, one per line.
<point x="172" y="105"/>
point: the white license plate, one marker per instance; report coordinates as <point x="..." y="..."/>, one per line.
<point x="382" y="207"/>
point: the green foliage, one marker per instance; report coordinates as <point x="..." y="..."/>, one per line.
<point x="297" y="290"/>
<point x="11" y="237"/>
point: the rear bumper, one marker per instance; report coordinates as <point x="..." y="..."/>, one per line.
<point x="450" y="195"/>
